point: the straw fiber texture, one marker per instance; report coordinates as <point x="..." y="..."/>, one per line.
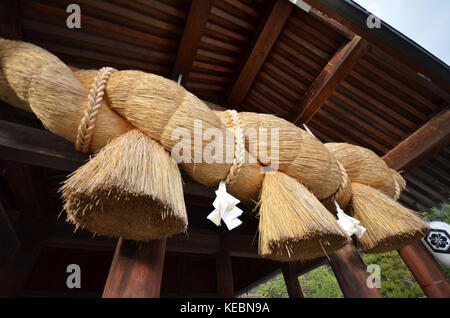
<point x="131" y="188"/>
<point x="293" y="224"/>
<point x="389" y="225"/>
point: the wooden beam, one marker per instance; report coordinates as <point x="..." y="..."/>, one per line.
<point x="38" y="147"/>
<point x="269" y="33"/>
<point x="225" y="286"/>
<point x="300" y="268"/>
<point x="291" y="280"/>
<point x="339" y="66"/>
<point x="195" y="242"/>
<point x="424" y="142"/>
<point x="351" y="273"/>
<point x="136" y="270"/>
<point x="426" y="270"/>
<point x="9" y="20"/>
<point x="193" y="31"/>
<point x="399" y="54"/>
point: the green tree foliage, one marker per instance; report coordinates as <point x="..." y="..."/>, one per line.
<point x="396" y="279"/>
<point x="320" y="283"/>
<point x="274" y="288"/>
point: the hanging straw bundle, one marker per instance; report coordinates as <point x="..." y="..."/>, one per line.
<point x="251" y="173"/>
<point x="168" y="114"/>
<point x="294" y="226"/>
<point x="390" y="226"/>
<point x="131" y="188"/>
<point x="375" y="187"/>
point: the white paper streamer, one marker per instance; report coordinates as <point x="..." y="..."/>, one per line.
<point x="349" y="225"/>
<point x="225" y="208"/>
<point x="309" y="131"/>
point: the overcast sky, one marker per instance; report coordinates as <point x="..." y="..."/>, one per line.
<point x="426" y="22"/>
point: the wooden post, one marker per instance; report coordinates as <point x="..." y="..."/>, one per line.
<point x="291" y="280"/>
<point x="136" y="270"/>
<point x="351" y="273"/>
<point x="225" y="284"/>
<point x="426" y="270"/>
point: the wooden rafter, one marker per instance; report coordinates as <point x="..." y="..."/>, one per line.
<point x="417" y="70"/>
<point x="424" y="142"/>
<point x="263" y="44"/>
<point x="339" y="66"/>
<point x="193" y="31"/>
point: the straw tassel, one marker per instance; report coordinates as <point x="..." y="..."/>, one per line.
<point x="389" y="225"/>
<point x="131" y="188"/>
<point x="293" y="224"/>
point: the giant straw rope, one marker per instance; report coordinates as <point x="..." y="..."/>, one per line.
<point x="100" y="110"/>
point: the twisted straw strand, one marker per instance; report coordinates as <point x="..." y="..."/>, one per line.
<point x="342" y="185"/>
<point x="239" y="148"/>
<point x="95" y="97"/>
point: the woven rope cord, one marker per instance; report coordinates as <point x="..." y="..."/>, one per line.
<point x="95" y="97"/>
<point x="398" y="191"/>
<point x="342" y="186"/>
<point x="239" y="148"/>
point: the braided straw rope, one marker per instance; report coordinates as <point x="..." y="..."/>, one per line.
<point x="342" y="185"/>
<point x="239" y="148"/>
<point x="398" y="191"/>
<point x="95" y="97"/>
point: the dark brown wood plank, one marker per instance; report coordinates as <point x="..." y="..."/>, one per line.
<point x="424" y="142"/>
<point x="351" y="273"/>
<point x="329" y="79"/>
<point x="136" y="270"/>
<point x="8" y="237"/>
<point x="9" y="20"/>
<point x="291" y="280"/>
<point x="426" y="270"/>
<point x="193" y="31"/>
<point x="37" y="147"/>
<point x="269" y="33"/>
<point x="331" y="23"/>
<point x="224" y="269"/>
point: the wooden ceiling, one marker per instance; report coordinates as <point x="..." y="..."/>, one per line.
<point x="346" y="83"/>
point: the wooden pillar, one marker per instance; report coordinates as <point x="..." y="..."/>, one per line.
<point x="136" y="270"/>
<point x="351" y="273"/>
<point x="291" y="280"/>
<point x="225" y="284"/>
<point x="426" y="270"/>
